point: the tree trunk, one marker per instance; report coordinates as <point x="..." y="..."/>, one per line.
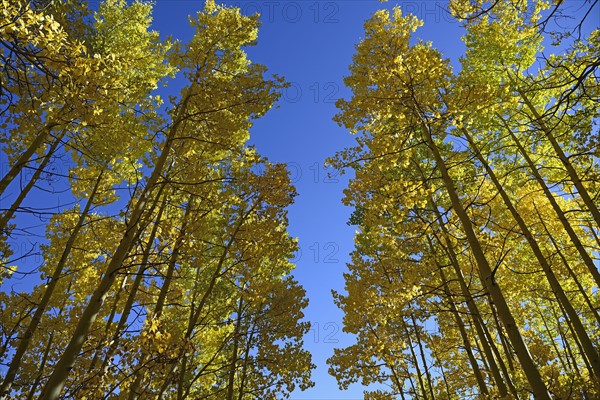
<point x="478" y="322"/>
<point x="234" y="352"/>
<point x="463" y="333"/>
<point x="195" y="314"/>
<point x="415" y="361"/>
<point x="7" y="216"/>
<point x="587" y="299"/>
<point x="583" y="193"/>
<point x="133" y="290"/>
<point x="561" y="215"/>
<point x="244" y="374"/>
<point x="23" y="159"/>
<point x="557" y="289"/>
<point x="134" y="390"/>
<point x="133" y="229"/>
<point x="502" y="337"/>
<point x="487" y="278"/>
<point x="43" y="304"/>
<point x="422" y="354"/>
<point x="499" y="358"/>
<point x="166" y="285"/>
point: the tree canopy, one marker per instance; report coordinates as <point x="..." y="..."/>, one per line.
<point x="474" y="273"/>
<point x="169" y="275"/>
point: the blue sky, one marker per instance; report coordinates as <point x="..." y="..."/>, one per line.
<point x="311" y="43"/>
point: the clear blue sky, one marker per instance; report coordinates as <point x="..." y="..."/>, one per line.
<point x="311" y="43"/>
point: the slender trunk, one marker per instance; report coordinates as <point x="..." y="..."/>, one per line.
<point x="559" y="212"/>
<point x="23" y="159"/>
<point x="505" y="348"/>
<point x="134" y="391"/>
<point x="415" y="361"/>
<point x="38" y="378"/>
<point x="587" y="299"/>
<point x="192" y="321"/>
<point x="463" y="334"/>
<point x="397" y="381"/>
<point x="594" y="380"/>
<point x="7" y="216"/>
<point x="411" y="381"/>
<point x="594" y="234"/>
<point x="133" y="229"/>
<point x="196" y="313"/>
<point x="244" y="373"/>
<point x="234" y="352"/>
<point x="443" y="374"/>
<point x="500" y="360"/>
<point x="551" y="336"/>
<point x="36" y="383"/>
<point x="216" y="273"/>
<point x="43" y="304"/>
<point x="567" y="365"/>
<point x="133" y="289"/>
<point x="487" y="278"/>
<point x="181" y="380"/>
<point x="477" y="346"/>
<point x="166" y="285"/>
<point x="583" y="193"/>
<point x="502" y="336"/>
<point x="422" y="354"/>
<point x="203" y="370"/>
<point x="577" y="342"/>
<point x="478" y="322"/>
<point x="107" y="326"/>
<point x="557" y="289"/>
<point x="570" y="357"/>
<point x="181" y="394"/>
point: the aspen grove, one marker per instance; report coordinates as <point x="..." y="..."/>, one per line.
<point x="166" y="271"/>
